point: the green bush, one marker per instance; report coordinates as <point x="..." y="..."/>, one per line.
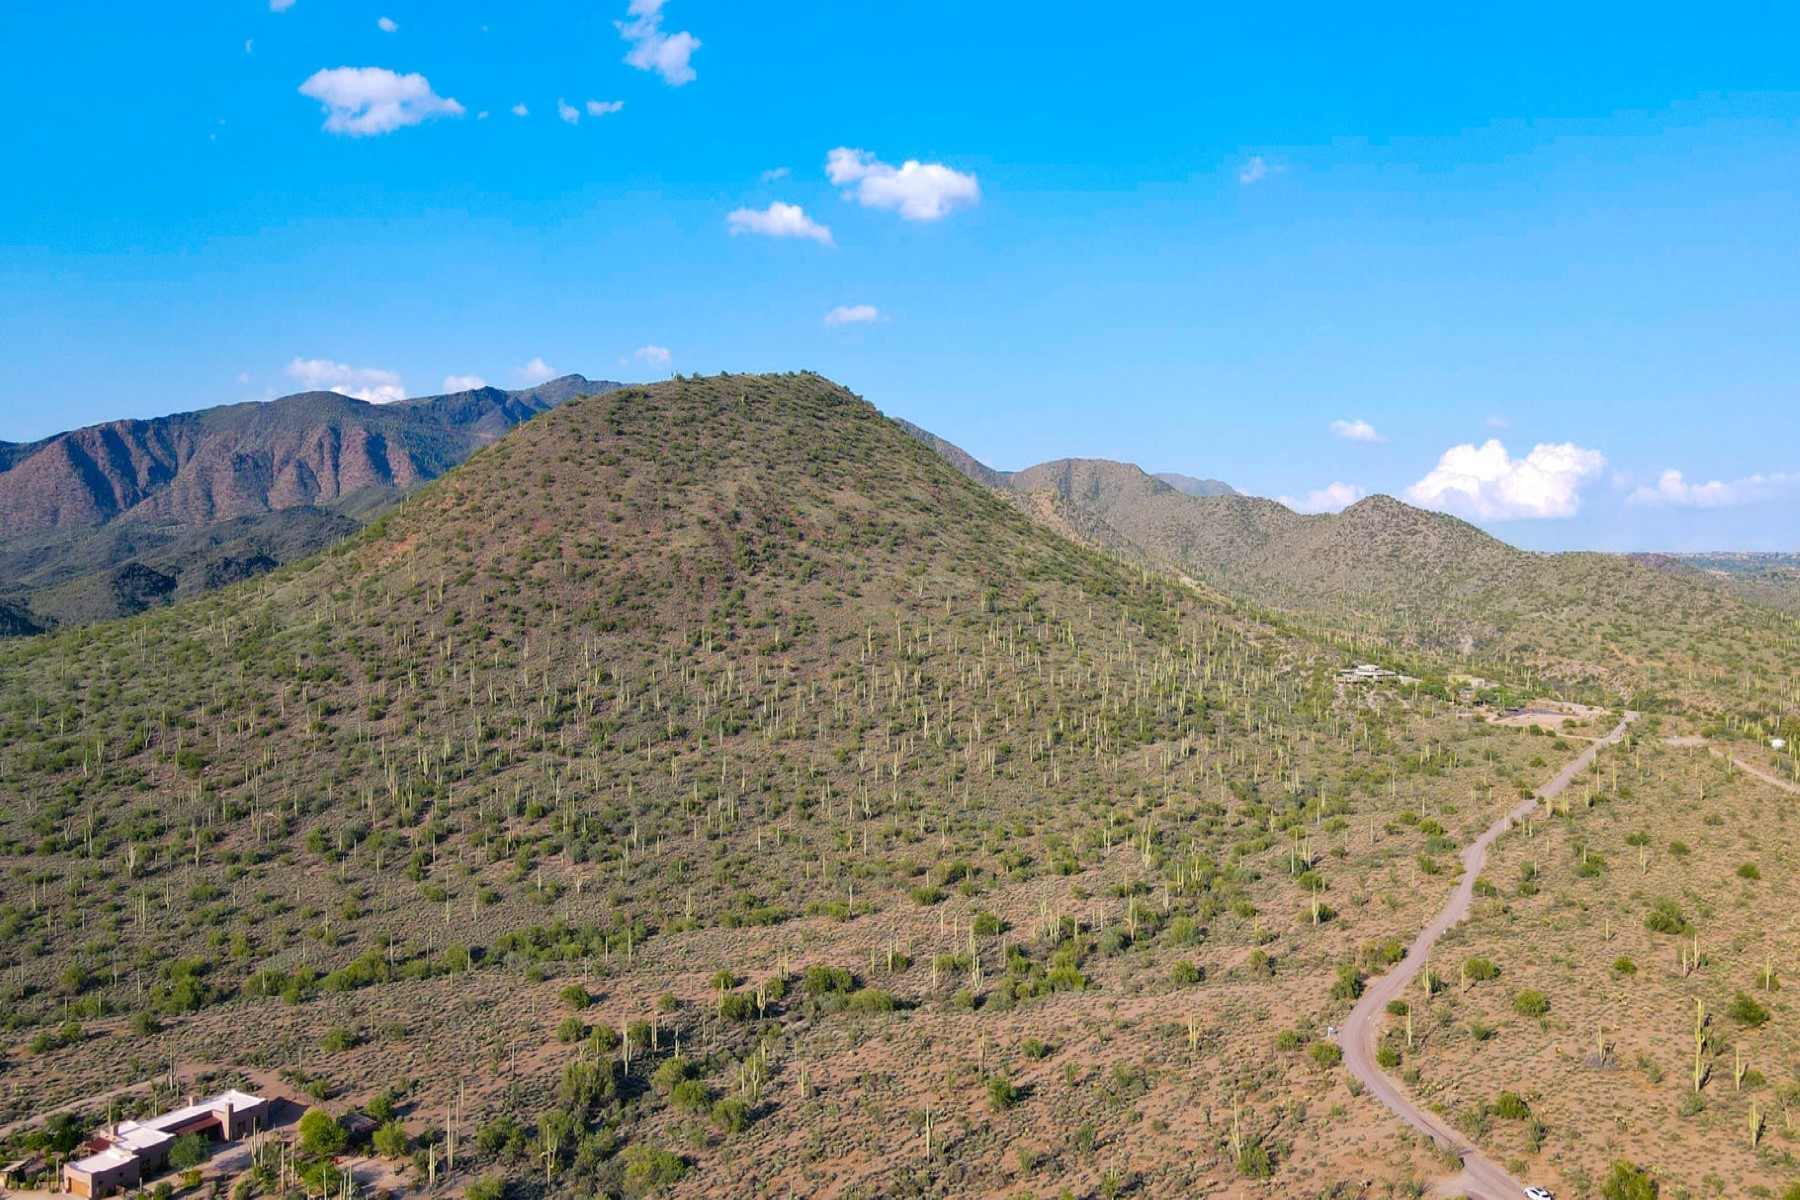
<point x="189" y="1150"/>
<point x="1511" y="1106"/>
<point x="1480" y="969"/>
<point x="648" y="1170"/>
<point x="1326" y="1054"/>
<point x="872" y="1000"/>
<point x="571" y="1029"/>
<point x="576" y="996"/>
<point x="1746" y="1011"/>
<point x="691" y="1095"/>
<point x="1530" y="1003"/>
<point x="1003" y="1093"/>
<point x="1628" y="1182"/>
<point x="1185" y="974"/>
<point x="731" y="1114"/>
<point x="320" y="1133"/>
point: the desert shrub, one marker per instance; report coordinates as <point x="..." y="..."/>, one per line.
<point x="571" y="1029"/>
<point x="1746" y="1011"/>
<point x="820" y="981"/>
<point x="1003" y="1093"/>
<point x="1326" y="1054"/>
<point x="1185" y="974"/>
<point x="649" y="1170"/>
<point x="1749" y="871"/>
<point x="390" y="1140"/>
<point x="871" y="1000"/>
<point x="576" y="996"/>
<point x="320" y="1133"/>
<point x="1254" y="1162"/>
<point x="731" y="1114"/>
<point x="1387" y="1057"/>
<point x="1623" y="965"/>
<point x="1511" y="1106"/>
<point x="1530" y="1003"/>
<point x="671" y="1073"/>
<point x="690" y="1095"/>
<point x="986" y="924"/>
<point x="1034" y="1049"/>
<point x="1480" y="969"/>
<point x="1349" y="983"/>
<point x="1665" y="917"/>
<point x="1628" y="1182"/>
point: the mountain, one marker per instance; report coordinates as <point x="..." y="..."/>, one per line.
<point x="1385" y="577"/>
<point x="260" y="484"/>
<point x="1771" y="580"/>
<point x="724" y="714"/>
<point x="1196" y="487"/>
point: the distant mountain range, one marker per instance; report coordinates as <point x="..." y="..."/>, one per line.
<point x="1387" y="577"/>
<point x="115" y="518"/>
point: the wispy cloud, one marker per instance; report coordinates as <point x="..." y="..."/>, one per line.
<point x="1356" y="431"/>
<point x="519" y="110"/>
<point x="778" y="220"/>
<point x="360" y="101"/>
<point x="604" y="108"/>
<point x="770" y="176"/>
<point x="655" y="356"/>
<point x="1673" y="489"/>
<point x="917" y="191"/>
<point x="1333" y="497"/>
<point x="568" y="112"/>
<point x="1254" y="171"/>
<point x="536" y="371"/>
<point x="1488" y="483"/>
<point x="1497" y="422"/>
<point x="852" y="314"/>
<point x="280" y="5"/>
<point x="667" y="54"/>
<point x="463" y="383"/>
<point x="387" y="24"/>
<point x="360" y="383"/>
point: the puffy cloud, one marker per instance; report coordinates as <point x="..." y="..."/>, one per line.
<point x="1356" y="431"/>
<point x="917" y="191"/>
<point x="536" y="371"/>
<point x="519" y="110"/>
<point x="1673" y="489"/>
<point x="770" y="176"/>
<point x="568" y="112"/>
<point x="604" y="108"/>
<point x="1333" y="497"/>
<point x="387" y="24"/>
<point x="852" y="314"/>
<point x="360" y="383"/>
<point x="778" y="220"/>
<point x="366" y="100"/>
<point x="463" y="383"/>
<point x="655" y="356"/>
<point x="1254" y="171"/>
<point x="668" y="54"/>
<point x="1488" y="483"/>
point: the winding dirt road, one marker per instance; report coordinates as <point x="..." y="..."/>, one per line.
<point x="1481" y="1179"/>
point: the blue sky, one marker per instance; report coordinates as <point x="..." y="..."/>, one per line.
<point x="1201" y="238"/>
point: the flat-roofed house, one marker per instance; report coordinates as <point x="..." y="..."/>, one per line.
<point x="125" y="1153"/>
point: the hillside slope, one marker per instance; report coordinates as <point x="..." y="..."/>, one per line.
<point x="87" y="512"/>
<point x="1385" y="577"/>
<point x="729" y="705"/>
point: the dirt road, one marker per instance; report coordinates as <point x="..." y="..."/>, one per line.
<point x="1481" y="1179"/>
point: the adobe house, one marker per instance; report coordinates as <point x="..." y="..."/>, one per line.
<point x="123" y="1154"/>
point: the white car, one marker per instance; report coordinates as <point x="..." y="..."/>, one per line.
<point x="1538" y="1193"/>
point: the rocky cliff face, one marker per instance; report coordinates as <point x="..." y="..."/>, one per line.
<point x="176" y="476"/>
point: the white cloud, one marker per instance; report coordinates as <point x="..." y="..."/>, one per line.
<point x="1356" y="431"/>
<point x="387" y="24"/>
<point x="777" y="173"/>
<point x="852" y="314"/>
<point x="568" y="112"/>
<point x="1498" y="423"/>
<point x="463" y="383"/>
<point x="249" y="45"/>
<point x="667" y="54"/>
<point x="366" y="100"/>
<point x="360" y="383"/>
<point x="1488" y="483"/>
<point x="1254" y="171"/>
<point x="778" y="220"/>
<point x="656" y="356"/>
<point x="280" y="5"/>
<point x="604" y="108"/>
<point x="1673" y="489"/>
<point x="536" y="371"/>
<point x="917" y="191"/>
<point x="1333" y="497"/>
<point x="519" y="110"/>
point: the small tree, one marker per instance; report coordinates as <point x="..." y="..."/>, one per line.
<point x="390" y="1140"/>
<point x="188" y="1151"/>
<point x="1628" y="1182"/>
<point x="320" y="1133"/>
